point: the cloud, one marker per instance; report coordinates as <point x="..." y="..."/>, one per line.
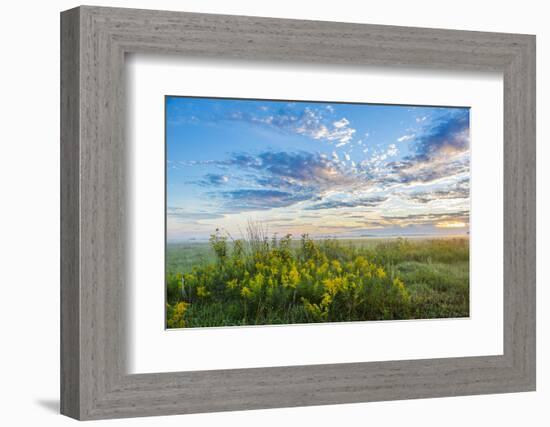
<point x="392" y="150"/>
<point x="194" y="162"/>
<point x="378" y="157"/>
<point x="261" y="199"/>
<point x="274" y="179"/>
<point x="303" y="169"/>
<point x="350" y="203"/>
<point x="449" y="135"/>
<point x="460" y="190"/>
<point x="214" y="179"/>
<point x="406" y="138"/>
<point x="310" y="122"/>
<point x="300" y="168"/>
<point x="341" y="123"/>
<point x="428" y="218"/>
<point x="440" y="150"/>
<point x="243" y="160"/>
<point x="414" y="171"/>
<point x="182" y="214"/>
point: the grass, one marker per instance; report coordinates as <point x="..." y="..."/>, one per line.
<point x="261" y="280"/>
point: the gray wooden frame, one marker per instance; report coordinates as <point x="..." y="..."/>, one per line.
<point x="94" y="41"/>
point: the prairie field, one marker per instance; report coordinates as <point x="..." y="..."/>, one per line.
<point x="264" y="280"/>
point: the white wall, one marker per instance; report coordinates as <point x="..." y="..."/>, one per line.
<point x="29" y="226"/>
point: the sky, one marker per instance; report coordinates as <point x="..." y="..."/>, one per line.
<point x="326" y="169"/>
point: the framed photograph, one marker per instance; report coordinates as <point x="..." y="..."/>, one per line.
<point x="262" y="213"/>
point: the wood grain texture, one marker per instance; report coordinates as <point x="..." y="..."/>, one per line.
<point x="94" y="382"/>
<point x="70" y="314"/>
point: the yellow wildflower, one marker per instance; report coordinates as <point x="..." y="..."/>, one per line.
<point x="202" y="292"/>
<point x="336" y="266"/>
<point x="177" y="316"/>
<point x="246" y="292"/>
<point x="293" y="277"/>
<point x="380" y="273"/>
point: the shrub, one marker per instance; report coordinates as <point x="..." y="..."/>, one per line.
<point x="263" y="281"/>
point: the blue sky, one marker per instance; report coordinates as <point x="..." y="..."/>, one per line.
<point x="327" y="169"/>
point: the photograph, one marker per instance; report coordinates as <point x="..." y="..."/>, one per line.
<point x="293" y="212"/>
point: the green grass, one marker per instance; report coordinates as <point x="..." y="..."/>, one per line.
<point x="262" y="281"/>
<point x="182" y="257"/>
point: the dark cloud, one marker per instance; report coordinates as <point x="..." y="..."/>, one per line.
<point x="304" y="174"/>
<point x="260" y="199"/>
<point x="360" y="202"/>
<point x="214" y="179"/>
<point x="310" y="169"/>
<point x="414" y="171"/>
<point x="460" y="190"/>
<point x="449" y="134"/>
<point x="436" y="152"/>
<point x="243" y="160"/>
<point x="275" y="179"/>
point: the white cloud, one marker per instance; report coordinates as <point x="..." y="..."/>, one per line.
<point x="406" y="138"/>
<point x="266" y="120"/>
<point x="343" y="122"/>
<point x="311" y="125"/>
<point x="392" y="150"/>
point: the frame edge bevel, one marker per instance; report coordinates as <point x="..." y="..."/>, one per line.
<point x="70" y="404"/>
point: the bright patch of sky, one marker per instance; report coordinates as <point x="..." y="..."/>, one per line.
<point x="326" y="169"/>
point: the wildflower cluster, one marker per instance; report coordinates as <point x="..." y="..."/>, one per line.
<point x="267" y="281"/>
